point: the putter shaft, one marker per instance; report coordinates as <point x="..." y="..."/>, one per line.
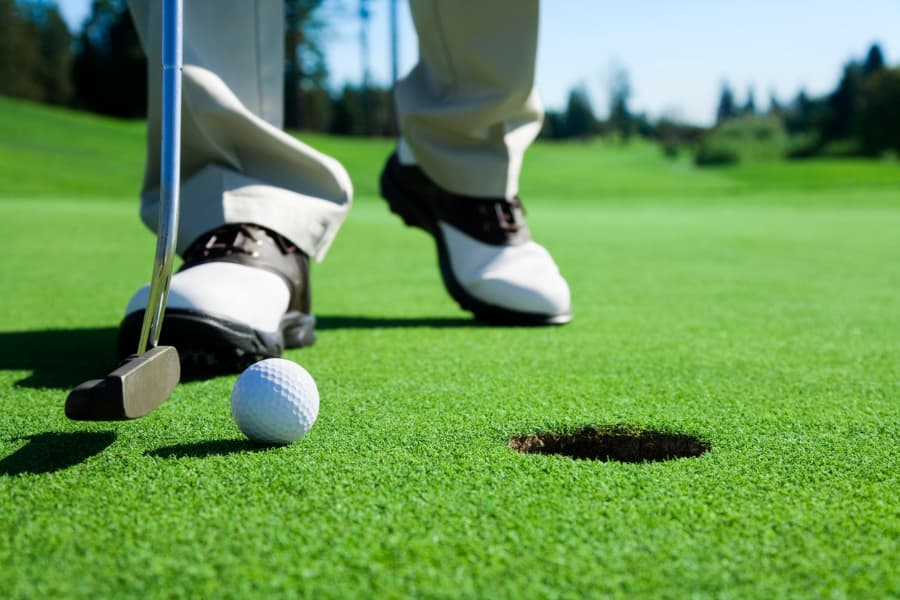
<point x="145" y="380"/>
<point x="170" y="175"/>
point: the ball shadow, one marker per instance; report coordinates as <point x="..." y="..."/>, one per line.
<point x="209" y="448"/>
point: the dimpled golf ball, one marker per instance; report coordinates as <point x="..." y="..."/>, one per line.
<point x="275" y="401"/>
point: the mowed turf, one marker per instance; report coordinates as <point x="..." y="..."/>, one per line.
<point x="755" y="308"/>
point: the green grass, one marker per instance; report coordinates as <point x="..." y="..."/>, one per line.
<point x="754" y="307"/>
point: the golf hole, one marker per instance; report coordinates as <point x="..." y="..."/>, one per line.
<point x="619" y="444"/>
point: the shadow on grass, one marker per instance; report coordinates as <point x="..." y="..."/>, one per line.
<point x="58" y="358"/>
<point x="210" y="448"/>
<point x="63" y="358"/>
<point x="52" y="451"/>
<point x="326" y="322"/>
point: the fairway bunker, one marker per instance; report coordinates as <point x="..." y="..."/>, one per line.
<point x="619" y="444"/>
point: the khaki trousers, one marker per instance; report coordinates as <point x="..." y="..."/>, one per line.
<point x="467" y="112"/>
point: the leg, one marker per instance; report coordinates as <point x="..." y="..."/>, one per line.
<point x="255" y="201"/>
<point x="467" y="113"/>
<point x="468" y="110"/>
<point x="233" y="151"/>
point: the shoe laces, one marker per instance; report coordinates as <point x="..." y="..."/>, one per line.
<point x="509" y="213"/>
<point x="243" y="238"/>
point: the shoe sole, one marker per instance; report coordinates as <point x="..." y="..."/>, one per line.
<point x="417" y="215"/>
<point x="208" y="345"/>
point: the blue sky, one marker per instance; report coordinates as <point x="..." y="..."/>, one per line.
<point x="677" y="54"/>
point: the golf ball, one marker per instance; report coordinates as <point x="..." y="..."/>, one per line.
<point x="275" y="401"/>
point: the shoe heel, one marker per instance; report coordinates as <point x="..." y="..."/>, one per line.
<point x="401" y="206"/>
<point x="299" y="330"/>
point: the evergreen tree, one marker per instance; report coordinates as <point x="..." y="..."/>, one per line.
<point x="356" y="115"/>
<point x="35" y="51"/>
<point x="749" y="106"/>
<point x="554" y="125"/>
<point x="879" y="118"/>
<point x="843" y="105"/>
<point x="19" y="54"/>
<point x="305" y="74"/>
<point x="347" y="117"/>
<point x="110" y="69"/>
<point x="727" y="108"/>
<point x="775" y="108"/>
<point x="620" y="118"/>
<point x="799" y="117"/>
<point x="874" y="61"/>
<point x="55" y="53"/>
<point x="579" y="115"/>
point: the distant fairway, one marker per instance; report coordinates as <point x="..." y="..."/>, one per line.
<point x="755" y="308"/>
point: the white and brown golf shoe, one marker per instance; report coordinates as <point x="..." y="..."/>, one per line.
<point x="488" y="262"/>
<point x="241" y="296"/>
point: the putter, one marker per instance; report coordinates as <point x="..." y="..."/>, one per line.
<point x="146" y="379"/>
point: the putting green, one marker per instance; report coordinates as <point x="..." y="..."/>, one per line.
<point x="754" y="308"/>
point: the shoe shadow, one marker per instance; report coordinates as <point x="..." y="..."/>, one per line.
<point x="326" y="322"/>
<point x="63" y="358"/>
<point x="54" y="451"/>
<point x="58" y="358"/>
<point x="210" y="448"/>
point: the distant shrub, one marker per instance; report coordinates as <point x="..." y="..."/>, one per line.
<point x="744" y="139"/>
<point x="712" y="154"/>
<point x="803" y="145"/>
<point x="670" y="149"/>
<point x="674" y="136"/>
<point x="841" y="148"/>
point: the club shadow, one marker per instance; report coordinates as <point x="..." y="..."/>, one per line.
<point x="54" y="451"/>
<point x="326" y="322"/>
<point x="209" y="448"/>
<point x="58" y="358"/>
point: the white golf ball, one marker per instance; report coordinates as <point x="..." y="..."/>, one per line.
<point x="275" y="401"/>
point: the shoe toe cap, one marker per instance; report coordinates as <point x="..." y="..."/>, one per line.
<point x="521" y="278"/>
<point x="547" y="296"/>
<point x="253" y="297"/>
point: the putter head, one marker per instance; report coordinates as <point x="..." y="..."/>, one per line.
<point x="139" y="385"/>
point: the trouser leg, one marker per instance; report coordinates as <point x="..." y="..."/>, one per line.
<point x="469" y="110"/>
<point x="238" y="166"/>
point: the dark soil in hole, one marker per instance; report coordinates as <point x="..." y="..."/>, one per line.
<point x="612" y="443"/>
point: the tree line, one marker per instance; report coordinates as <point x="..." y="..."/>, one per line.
<point x="102" y="69"/>
<point x="860" y="117"/>
<point x="579" y="121"/>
